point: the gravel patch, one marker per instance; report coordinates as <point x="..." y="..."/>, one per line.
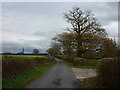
<point x="82" y="74"/>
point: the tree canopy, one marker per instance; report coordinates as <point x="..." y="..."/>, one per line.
<point x="85" y="36"/>
<point x="81" y="23"/>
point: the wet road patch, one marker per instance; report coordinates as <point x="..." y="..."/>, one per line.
<point x="57" y="82"/>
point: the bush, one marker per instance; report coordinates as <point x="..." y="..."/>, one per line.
<point x="12" y="66"/>
<point x="108" y="72"/>
<point x="43" y="59"/>
<point x="60" y="57"/>
<point x="79" y="61"/>
<point x="69" y="59"/>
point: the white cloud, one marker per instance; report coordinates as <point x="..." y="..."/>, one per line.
<point x="60" y="0"/>
<point x="112" y="30"/>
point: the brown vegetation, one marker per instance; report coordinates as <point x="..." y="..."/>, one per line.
<point x="109" y="72"/>
<point x="12" y="66"/>
<point x="82" y="23"/>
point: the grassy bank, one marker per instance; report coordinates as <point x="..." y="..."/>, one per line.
<point x="23" y="78"/>
<point x="87" y="66"/>
<point x="89" y="83"/>
<point x="108" y="75"/>
<point x="12" y="56"/>
<point x="91" y="64"/>
<point x="93" y="83"/>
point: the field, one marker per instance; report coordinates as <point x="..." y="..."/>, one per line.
<point x="11" y="56"/>
<point x="85" y="66"/>
<point x="89" y="63"/>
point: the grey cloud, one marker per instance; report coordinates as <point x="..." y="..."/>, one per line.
<point x="38" y="33"/>
<point x="28" y="46"/>
<point x="112" y="4"/>
<point x="50" y="21"/>
<point x="107" y="13"/>
<point x="8" y="47"/>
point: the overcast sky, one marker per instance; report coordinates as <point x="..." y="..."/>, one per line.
<point x="32" y="24"/>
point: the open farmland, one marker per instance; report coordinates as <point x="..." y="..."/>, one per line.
<point x="12" y="56"/>
<point x="80" y="62"/>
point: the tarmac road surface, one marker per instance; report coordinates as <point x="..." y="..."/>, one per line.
<point x="60" y="76"/>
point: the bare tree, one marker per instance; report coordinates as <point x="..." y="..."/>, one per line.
<point x="23" y="50"/>
<point x="83" y="22"/>
<point x="35" y="51"/>
<point x="66" y="41"/>
<point x="55" y="49"/>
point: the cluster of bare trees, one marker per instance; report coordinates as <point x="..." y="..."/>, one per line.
<point x="35" y="51"/>
<point x="55" y="49"/>
<point x="85" y="35"/>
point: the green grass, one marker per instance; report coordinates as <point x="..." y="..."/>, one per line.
<point x="89" y="83"/>
<point x="91" y="64"/>
<point x="93" y="61"/>
<point x="88" y="67"/>
<point x="70" y="64"/>
<point x="62" y="55"/>
<point x="1" y="56"/>
<point x="23" y="78"/>
<point x="93" y="83"/>
<point x="12" y="56"/>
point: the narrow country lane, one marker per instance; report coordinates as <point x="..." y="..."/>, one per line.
<point x="60" y="76"/>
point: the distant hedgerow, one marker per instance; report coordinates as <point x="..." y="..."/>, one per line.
<point x="12" y="66"/>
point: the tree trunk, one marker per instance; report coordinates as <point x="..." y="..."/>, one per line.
<point x="79" y="54"/>
<point x="79" y="43"/>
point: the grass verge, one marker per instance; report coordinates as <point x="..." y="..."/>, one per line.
<point x="86" y="66"/>
<point x="23" y="78"/>
<point x="92" y="83"/>
<point x="89" y="83"/>
<point x="93" y="61"/>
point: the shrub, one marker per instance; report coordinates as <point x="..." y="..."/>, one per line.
<point x="108" y="72"/>
<point x="60" y="57"/>
<point x="92" y="62"/>
<point x="79" y="61"/>
<point x="69" y="59"/>
<point x="43" y="59"/>
<point x="12" y="66"/>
